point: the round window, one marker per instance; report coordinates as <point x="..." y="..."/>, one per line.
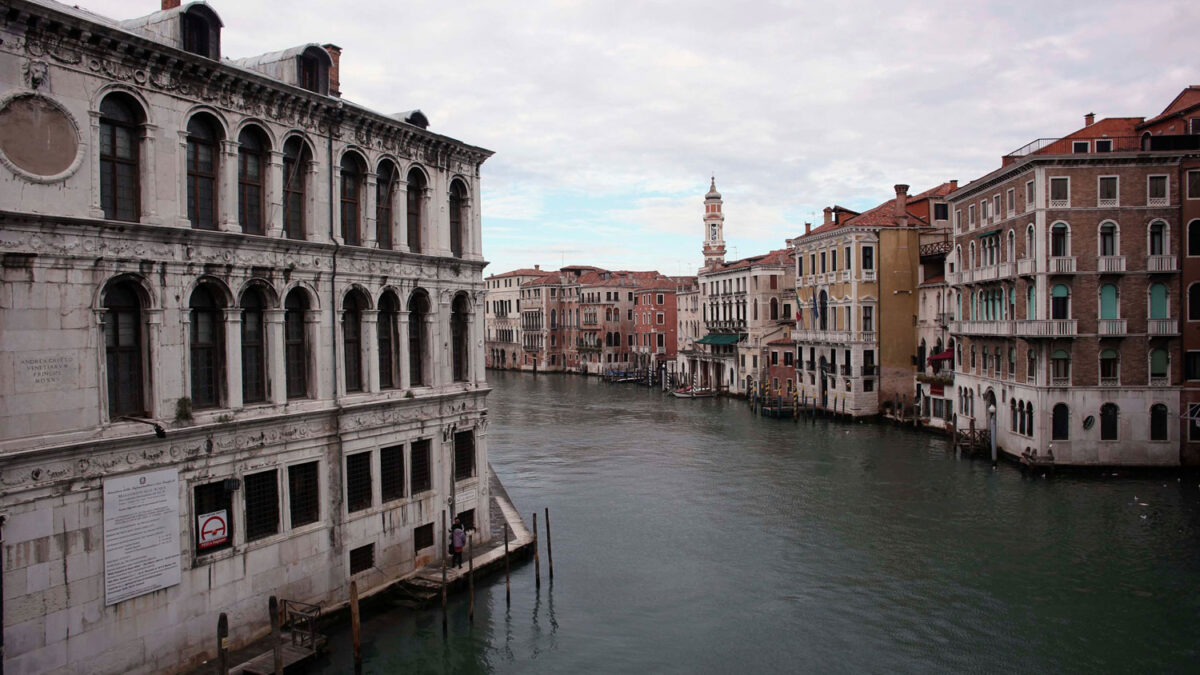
<point x="1089" y="422"/>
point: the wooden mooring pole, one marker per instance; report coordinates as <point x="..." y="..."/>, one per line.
<point x="223" y="644"/>
<point x="507" y="582"/>
<point x="276" y="641"/>
<point x="355" y="627"/>
<point x="445" y="624"/>
<point x="537" y="562"/>
<point x="549" y="551"/>
<point x="471" y="576"/>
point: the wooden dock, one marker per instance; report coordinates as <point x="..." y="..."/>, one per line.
<point x="264" y="664"/>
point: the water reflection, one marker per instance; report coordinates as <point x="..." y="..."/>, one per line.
<point x="691" y="536"/>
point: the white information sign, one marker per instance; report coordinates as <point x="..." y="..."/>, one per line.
<point x="213" y="528"/>
<point x="141" y="534"/>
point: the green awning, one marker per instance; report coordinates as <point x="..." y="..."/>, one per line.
<point x="720" y="339"/>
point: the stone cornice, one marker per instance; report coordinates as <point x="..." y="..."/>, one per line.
<point x="110" y="52"/>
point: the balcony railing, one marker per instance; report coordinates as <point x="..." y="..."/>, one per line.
<point x="1006" y="269"/>
<point x="954" y="278"/>
<point x="1112" y="327"/>
<point x="868" y="275"/>
<point x="1060" y="203"/>
<point x="1065" y="265"/>
<point x="1048" y="328"/>
<point x="845" y="275"/>
<point x="1110" y="381"/>
<point x="1109" y="264"/>
<point x="1027" y="266"/>
<point x="1161" y="263"/>
<point x="824" y="335"/>
<point x="844" y="369"/>
<point x="1106" y="203"/>
<point x="1157" y="201"/>
<point x="982" y="327"/>
<point x="1162" y="326"/>
<point x="1160" y="380"/>
<point x="866" y="336"/>
<point x="1060" y="381"/>
<point x="988" y="273"/>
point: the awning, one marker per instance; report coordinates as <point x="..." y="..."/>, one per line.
<point x="944" y="356"/>
<point x="720" y="339"/>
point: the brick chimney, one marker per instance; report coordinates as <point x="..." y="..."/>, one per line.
<point x="901" y="205"/>
<point x="807" y="228"/>
<point x="828" y="215"/>
<point x="335" y="55"/>
<point x="169" y="4"/>
<point x="1089" y="119"/>
<point x="954" y="184"/>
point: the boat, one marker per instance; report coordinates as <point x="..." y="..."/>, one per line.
<point x="692" y="392"/>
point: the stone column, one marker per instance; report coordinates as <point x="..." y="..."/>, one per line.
<point x="402" y="332"/>
<point x="318" y="386"/>
<point x="152" y="382"/>
<point x="370" y="349"/>
<point x="227" y="188"/>
<point x="276" y="357"/>
<point x="367" y="217"/>
<point x="400" y="215"/>
<point x="233" y="357"/>
<point x="96" y="210"/>
<point x="434" y="367"/>
<point x="316" y="227"/>
<point x="273" y="218"/>
<point x="148" y="162"/>
<point x="181" y="214"/>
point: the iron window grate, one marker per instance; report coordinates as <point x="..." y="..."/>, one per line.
<point x="262" y="505"/>
<point x="391" y="473"/>
<point x="358" y="481"/>
<point x="464" y="455"/>
<point x="304" y="494"/>
<point x="423" y="537"/>
<point x="421" y="480"/>
<point x="362" y="558"/>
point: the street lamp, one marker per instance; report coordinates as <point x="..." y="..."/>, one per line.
<point x="992" y="430"/>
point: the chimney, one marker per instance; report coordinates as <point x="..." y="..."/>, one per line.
<point x="828" y="215"/>
<point x="807" y="228"/>
<point x="901" y="201"/>
<point x="335" y="55"/>
<point x="537" y="267"/>
<point x="954" y="184"/>
<point x="1089" y="119"/>
<point x="169" y="4"/>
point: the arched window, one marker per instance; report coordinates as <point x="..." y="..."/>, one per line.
<point x="207" y="347"/>
<point x="1108" y="239"/>
<point x="1021" y="421"/>
<point x="458" y="201"/>
<point x="416" y="194"/>
<point x="1158" y="302"/>
<point x="823" y="310"/>
<point x="1029" y="418"/>
<point x="1108" y="301"/>
<point x="1011" y="253"/>
<point x="1060" y="240"/>
<point x="252" y="152"/>
<point x="459" y="338"/>
<point x="553" y="318"/>
<point x="1012" y="414"/>
<point x="202" y="155"/>
<point x="296" y="347"/>
<point x="352" y="314"/>
<point x="1030" y="242"/>
<point x="1158" y="238"/>
<point x="1061" y="426"/>
<point x="1060" y="302"/>
<point x="352" y="174"/>
<point x="1110" y="368"/>
<point x="1193" y="302"/>
<point x="254" y="362"/>
<point x="389" y="341"/>
<point x="774" y="309"/>
<point x="418" y="310"/>
<point x="1158" y="422"/>
<point x="296" y="159"/>
<point x="1109" y="417"/>
<point x="1193" y="233"/>
<point x="385" y="192"/>
<point x="120" y="158"/>
<point x="124" y="356"/>
<point x="1060" y="367"/>
<point x="1159" y="363"/>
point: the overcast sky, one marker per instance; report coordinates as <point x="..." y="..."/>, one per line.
<point x="607" y="118"/>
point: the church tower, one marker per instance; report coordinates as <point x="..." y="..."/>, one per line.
<point x="714" y="227"/>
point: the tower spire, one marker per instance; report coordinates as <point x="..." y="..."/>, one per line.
<point x="714" y="226"/>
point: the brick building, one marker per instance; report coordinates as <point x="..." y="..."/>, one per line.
<point x="1067" y="281"/>
<point x="233" y="296"/>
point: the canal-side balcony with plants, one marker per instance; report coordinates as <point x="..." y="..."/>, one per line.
<point x="936" y="378"/>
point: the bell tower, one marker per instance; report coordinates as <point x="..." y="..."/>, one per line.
<point x="714" y="227"/>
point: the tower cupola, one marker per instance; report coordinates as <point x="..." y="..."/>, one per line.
<point x="714" y="227"/>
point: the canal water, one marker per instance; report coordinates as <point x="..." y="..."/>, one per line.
<point x="690" y="536"/>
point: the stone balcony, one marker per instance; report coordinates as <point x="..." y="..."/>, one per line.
<point x="1110" y="264"/>
<point x="1027" y="266"/>
<point x="1047" y="328"/>
<point x="982" y="327"/>
<point x="1161" y="263"/>
<point x="1063" y="265"/>
<point x="1162" y="326"/>
<point x="1110" y="327"/>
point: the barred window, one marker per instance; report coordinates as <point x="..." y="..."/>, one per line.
<point x="358" y="481"/>
<point x="464" y="454"/>
<point x="304" y="494"/>
<point x="262" y="505"/>
<point x="213" y="499"/>
<point x="391" y="473"/>
<point x="362" y="558"/>
<point x="421" y="480"/>
<point x="422" y="537"/>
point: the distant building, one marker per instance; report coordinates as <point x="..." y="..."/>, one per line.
<point x="241" y="339"/>
<point x="503" y="319"/>
<point x="856" y="282"/>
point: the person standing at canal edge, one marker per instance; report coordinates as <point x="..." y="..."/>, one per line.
<point x="458" y="539"/>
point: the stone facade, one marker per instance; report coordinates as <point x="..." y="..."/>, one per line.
<point x="503" y="318"/>
<point x="299" y="348"/>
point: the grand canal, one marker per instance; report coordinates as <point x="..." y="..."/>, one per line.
<point x="690" y="536"/>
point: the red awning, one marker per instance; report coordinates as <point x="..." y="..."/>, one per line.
<point x="946" y="355"/>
